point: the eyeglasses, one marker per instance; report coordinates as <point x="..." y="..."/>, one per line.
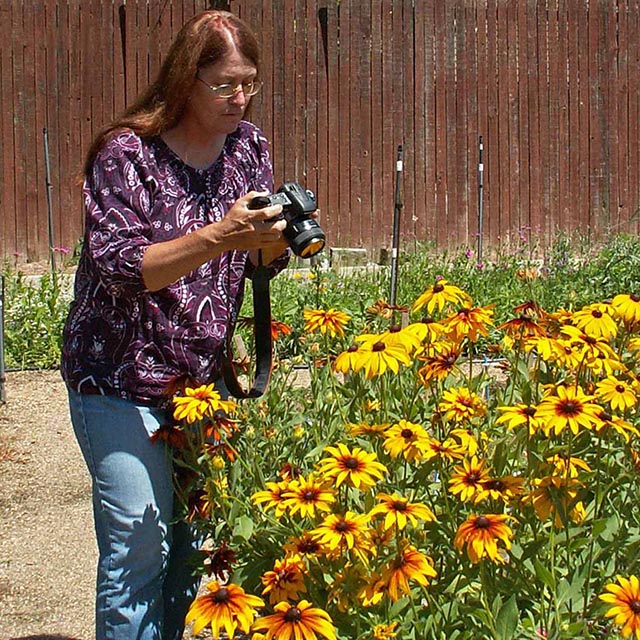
<point x="249" y="88"/>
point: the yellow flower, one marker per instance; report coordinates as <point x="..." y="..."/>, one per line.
<point x="406" y="438"/>
<point x="304" y="496"/>
<point x="627" y="307"/>
<point x="617" y="393"/>
<point x="346" y="531"/>
<point x="378" y="357"/>
<point x="304" y="545"/>
<point x="225" y="607"/>
<point x="624" y="428"/>
<point x="273" y="496"/>
<point x="411" y="564"/>
<point x="384" y="631"/>
<point x="441" y="359"/>
<point x="625" y="598"/>
<point x="481" y="534"/>
<point x="507" y="489"/>
<point x="567" y="466"/>
<point x="460" y="404"/>
<point x="299" y="621"/>
<point x="286" y="581"/>
<point x="347" y="360"/>
<point x="439" y="295"/>
<point x="356" y="467"/>
<point x="596" y="320"/>
<point x="409" y="339"/>
<point x="200" y="402"/>
<point x="518" y="415"/>
<point x="466" y="481"/>
<point x="330" y="321"/>
<point x="552" y="496"/>
<point x="570" y="409"/>
<point x="469" y="323"/>
<point x="399" y="511"/>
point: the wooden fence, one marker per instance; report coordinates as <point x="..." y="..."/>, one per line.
<point x="551" y="86"/>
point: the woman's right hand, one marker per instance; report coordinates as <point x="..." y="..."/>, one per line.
<point x="249" y="229"/>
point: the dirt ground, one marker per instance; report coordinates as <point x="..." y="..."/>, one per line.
<point x="47" y="547"/>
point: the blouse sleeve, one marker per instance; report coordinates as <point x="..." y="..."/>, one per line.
<point x="117" y="204"/>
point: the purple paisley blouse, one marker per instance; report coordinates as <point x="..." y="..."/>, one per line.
<point x="120" y="338"/>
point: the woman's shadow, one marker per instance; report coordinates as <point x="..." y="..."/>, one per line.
<point x="44" y="637"/>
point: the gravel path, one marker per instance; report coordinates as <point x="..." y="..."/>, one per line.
<point x="47" y="547"/>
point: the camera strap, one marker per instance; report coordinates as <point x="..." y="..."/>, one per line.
<point x="262" y="340"/>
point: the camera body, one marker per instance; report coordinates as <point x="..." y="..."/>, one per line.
<point x="303" y="233"/>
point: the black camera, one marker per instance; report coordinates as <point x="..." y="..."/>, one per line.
<point x="303" y="233"/>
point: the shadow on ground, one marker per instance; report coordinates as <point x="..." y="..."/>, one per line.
<point x="44" y="637"/>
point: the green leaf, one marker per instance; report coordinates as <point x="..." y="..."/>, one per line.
<point x="507" y="619"/>
<point x="243" y="527"/>
<point x="543" y="574"/>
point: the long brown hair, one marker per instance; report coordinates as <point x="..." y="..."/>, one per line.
<point x="202" y="41"/>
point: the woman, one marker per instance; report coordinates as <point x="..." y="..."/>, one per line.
<point x="169" y="240"/>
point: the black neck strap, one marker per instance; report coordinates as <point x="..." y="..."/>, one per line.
<point x="262" y="338"/>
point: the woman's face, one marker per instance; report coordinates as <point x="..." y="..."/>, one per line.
<point x="215" y="114"/>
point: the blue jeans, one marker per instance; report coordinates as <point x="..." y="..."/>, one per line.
<point x="145" y="583"/>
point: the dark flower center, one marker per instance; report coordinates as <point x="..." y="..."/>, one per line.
<point x="342" y="526"/>
<point x="570" y="408"/>
<point x="293" y="615"/>
<point x="351" y="463"/>
<point x="437" y="288"/>
<point x="221" y="595"/>
<point x="605" y="416"/>
<point x="634" y="605"/>
<point x="427" y="320"/>
<point x="407" y="434"/>
<point x="529" y="411"/>
<point x="635" y="297"/>
<point x="308" y="546"/>
<point x="473" y="477"/>
<point x="395" y="328"/>
<point x="309" y="495"/>
<point x="620" y="388"/>
<point x="495" y="485"/>
<point x="482" y="522"/>
<point x="352" y="348"/>
<point x="399" y="506"/>
<point x="378" y="346"/>
<point x="596" y="313"/>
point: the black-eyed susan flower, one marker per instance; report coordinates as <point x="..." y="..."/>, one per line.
<point x="346" y="531"/>
<point x="330" y="322"/>
<point x="567" y="466"/>
<point x="466" y="481"/>
<point x="356" y="467"/>
<point x="618" y="393"/>
<point x="627" y="307"/>
<point x="481" y="534"/>
<point x="469" y="323"/>
<point x="570" y="354"/>
<point x="410" y="340"/>
<point x="376" y="358"/>
<point x="439" y="295"/>
<point x="608" y="422"/>
<point x="304" y="545"/>
<point x="286" y="581"/>
<point x="347" y="360"/>
<point x="449" y="450"/>
<point x="365" y="429"/>
<point x="624" y="596"/>
<point x="200" y="402"/>
<point x="570" y="408"/>
<point x="398" y="511"/>
<point x="272" y="497"/>
<point x="279" y="329"/>
<point x="305" y="496"/>
<point x="440" y="360"/>
<point x="468" y="442"/>
<point x="518" y="415"/>
<point x="300" y="621"/>
<point x="461" y="405"/>
<point x="558" y="497"/>
<point x="506" y="489"/>
<point x="523" y="327"/>
<point x="408" y="439"/>
<point x="590" y="346"/>
<point x="410" y="564"/>
<point x="225" y="607"/>
<point x="384" y="631"/>
<point x="173" y="434"/>
<point x="596" y="320"/>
